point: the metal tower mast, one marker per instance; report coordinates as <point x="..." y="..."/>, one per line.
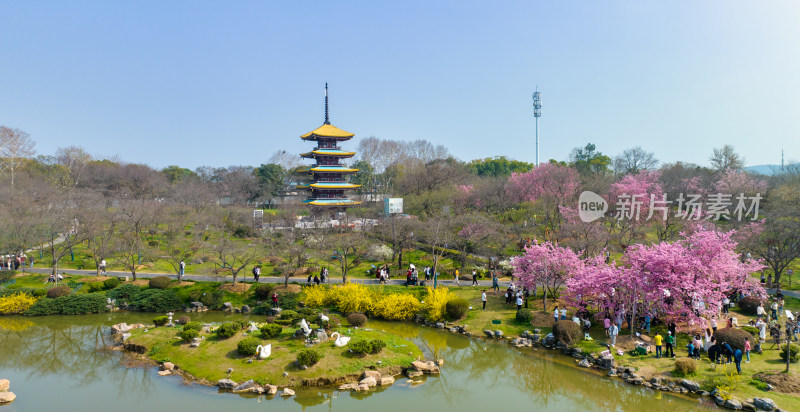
<point x="537" y="113"/>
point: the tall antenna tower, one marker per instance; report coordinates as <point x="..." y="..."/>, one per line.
<point x="537" y="113"/>
<point x="781" y="160"/>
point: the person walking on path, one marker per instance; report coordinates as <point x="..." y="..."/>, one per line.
<point x="256" y="273"/>
<point x="670" y="345"/>
<point x="483" y="298"/>
<point x="103" y="266"/>
<point x="555" y="314"/>
<point x="774" y="308"/>
<point x="456" y="278"/>
<point x="613" y="331"/>
<point x="474" y="277"/>
<point x="657" y="341"/>
<point x="181" y="269"/>
<point x="606" y="324"/>
<point x="495" y="283"/>
<point x="519" y="303"/>
<point x="274" y="300"/>
<point x="760" y="310"/>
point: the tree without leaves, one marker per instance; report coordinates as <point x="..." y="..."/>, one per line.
<point x="348" y="248"/>
<point x="74" y="159"/>
<point x="725" y="158"/>
<point x="15" y="147"/>
<point x="634" y="160"/>
<point x="233" y="256"/>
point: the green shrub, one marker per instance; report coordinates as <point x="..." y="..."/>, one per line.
<point x="38" y="292"/>
<point x="156" y="300"/>
<point x="69" y="305"/>
<point x="58" y="291"/>
<point x="524" y="316"/>
<point x="365" y="346"/>
<point x="111" y="283"/>
<point x="160" y="282"/>
<point x="187" y="335"/>
<point x="124" y="293"/>
<point x="793" y="353"/>
<point x="243" y="323"/>
<point x="685" y="367"/>
<point x="307" y="313"/>
<point x="289" y="315"/>
<point x="357" y="319"/>
<point x="160" y="320"/>
<point x="567" y="332"/>
<point x="270" y="319"/>
<point x="751" y="330"/>
<point x="285" y="322"/>
<point x="247" y="346"/>
<point x="243" y="231"/>
<point x="309" y="357"/>
<point x="271" y="330"/>
<point x="96" y="287"/>
<point x="193" y="325"/>
<point x="456" y="308"/>
<point x="182" y="320"/>
<point x="749" y="304"/>
<point x="288" y="300"/>
<point x="264" y="291"/>
<point x="228" y="329"/>
<point x="734" y="337"/>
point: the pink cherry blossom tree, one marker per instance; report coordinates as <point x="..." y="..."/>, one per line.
<point x="549" y="186"/>
<point x="686" y="279"/>
<point x="546" y="265"/>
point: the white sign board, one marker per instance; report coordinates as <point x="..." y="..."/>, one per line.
<point x="393" y="205"/>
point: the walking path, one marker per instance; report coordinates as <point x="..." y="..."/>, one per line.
<point x="264" y="279"/>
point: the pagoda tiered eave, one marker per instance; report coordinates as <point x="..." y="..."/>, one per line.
<point x="329" y="169"/>
<point x="329" y="185"/>
<point x="327" y="131"/>
<point x="327" y="152"/>
<point x="331" y="202"/>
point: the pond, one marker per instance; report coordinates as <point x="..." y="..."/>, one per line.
<point x="59" y="363"/>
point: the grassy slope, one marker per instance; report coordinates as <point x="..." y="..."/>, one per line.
<point x="211" y="360"/>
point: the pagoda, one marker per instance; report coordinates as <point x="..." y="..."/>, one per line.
<point x="328" y="183"/>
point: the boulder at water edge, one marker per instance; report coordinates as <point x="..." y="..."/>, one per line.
<point x="287" y="392"/>
<point x="764" y="404"/>
<point x="6" y="397"/>
<point x="226" y="384"/>
<point x="4" y="385"/>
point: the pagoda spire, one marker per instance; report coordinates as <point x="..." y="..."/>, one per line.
<point x="327" y="119"/>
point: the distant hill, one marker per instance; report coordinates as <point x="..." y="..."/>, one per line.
<point x="766" y="170"/>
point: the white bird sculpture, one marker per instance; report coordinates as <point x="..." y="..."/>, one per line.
<point x="263" y="352"/>
<point x="340" y="340"/>
<point x="304" y="327"/>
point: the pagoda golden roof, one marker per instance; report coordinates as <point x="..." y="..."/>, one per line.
<point x="327" y="130"/>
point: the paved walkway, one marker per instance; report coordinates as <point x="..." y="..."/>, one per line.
<point x="264" y="279"/>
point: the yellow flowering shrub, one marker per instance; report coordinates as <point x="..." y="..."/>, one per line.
<point x="16" y="303"/>
<point x="353" y="297"/>
<point x="396" y="306"/>
<point x="316" y="296"/>
<point x="435" y="301"/>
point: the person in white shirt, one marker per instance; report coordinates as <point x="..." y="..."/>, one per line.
<point x="563" y="313"/>
<point x="103" y="266"/>
<point x="519" y="302"/>
<point x="760" y="310"/>
<point x="483" y="299"/>
<point x="555" y="314"/>
<point x="613" y="331"/>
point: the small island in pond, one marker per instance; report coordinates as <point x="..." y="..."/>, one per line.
<point x="238" y="351"/>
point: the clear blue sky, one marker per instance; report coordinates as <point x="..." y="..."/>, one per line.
<point x="221" y="83"/>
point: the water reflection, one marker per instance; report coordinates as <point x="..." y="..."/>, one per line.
<point x="67" y="355"/>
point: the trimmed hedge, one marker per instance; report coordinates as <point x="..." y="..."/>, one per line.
<point x="793" y="353"/>
<point x="734" y="337"/>
<point x="685" y="366"/>
<point x="187" y="335"/>
<point x="111" y="283"/>
<point x="525" y="316"/>
<point x="456" y="308"/>
<point x="247" y="346"/>
<point x="228" y="329"/>
<point x="567" y="332"/>
<point x="365" y="346"/>
<point x="309" y="357"/>
<point x="69" y="305"/>
<point x="124" y="293"/>
<point x="271" y="330"/>
<point x="749" y="304"/>
<point x="194" y="325"/>
<point x="751" y="330"/>
<point x="156" y="300"/>
<point x="58" y="292"/>
<point x="357" y="319"/>
<point x="160" y="282"/>
<point x="160" y="320"/>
